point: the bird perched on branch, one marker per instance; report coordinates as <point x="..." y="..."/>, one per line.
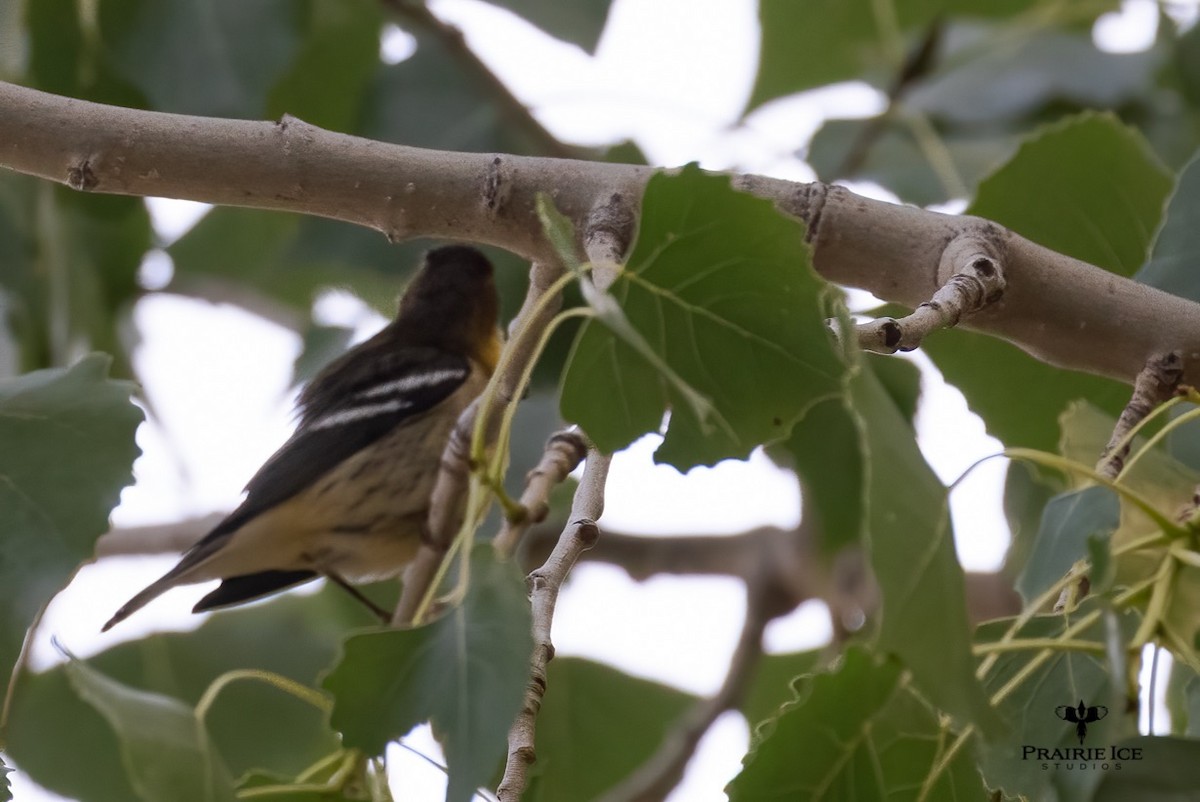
<point x="346" y="497"/>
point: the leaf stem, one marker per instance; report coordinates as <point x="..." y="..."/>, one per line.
<point x="286" y="684"/>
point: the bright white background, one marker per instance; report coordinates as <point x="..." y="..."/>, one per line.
<point x="674" y="81"/>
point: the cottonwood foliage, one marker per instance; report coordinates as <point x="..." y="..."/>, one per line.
<point x="721" y="322"/>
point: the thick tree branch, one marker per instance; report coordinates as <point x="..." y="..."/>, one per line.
<point x="1063" y="311"/>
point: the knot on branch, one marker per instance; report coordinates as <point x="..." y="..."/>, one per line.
<point x="81" y="176"/>
<point x="976" y="280"/>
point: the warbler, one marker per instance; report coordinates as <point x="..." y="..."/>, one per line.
<point x="346" y="497"/>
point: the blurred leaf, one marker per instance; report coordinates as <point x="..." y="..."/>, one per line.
<point x="432" y="101"/>
<point x="1157" y="476"/>
<point x="1026" y="493"/>
<point x="252" y="724"/>
<point x="56" y="46"/>
<point x="1171" y="267"/>
<point x="465" y="673"/>
<point x="901" y="380"/>
<point x="5" y="788"/>
<point x="992" y="79"/>
<point x="287" y="258"/>
<point x="1168" y="771"/>
<point x="580" y="22"/>
<point x="328" y="79"/>
<point x="772" y="685"/>
<point x="1064" y="679"/>
<point x="597" y="725"/>
<point x="719" y="284"/>
<point x="827" y="451"/>
<point x="1051" y="192"/>
<point x="320" y="346"/>
<point x="164" y="747"/>
<point x="806" y="45"/>
<point x="68" y="451"/>
<point x="924" y="618"/>
<point x="262" y="781"/>
<point x="895" y="159"/>
<point x="1068" y="521"/>
<point x="855" y="733"/>
<point x="70" y="270"/>
<point x="216" y="58"/>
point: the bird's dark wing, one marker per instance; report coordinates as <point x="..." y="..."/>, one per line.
<point x="238" y="589"/>
<point x="363" y="400"/>
<point x="1096" y="713"/>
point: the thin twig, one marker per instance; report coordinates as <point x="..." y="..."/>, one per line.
<point x="976" y="280"/>
<point x="1156" y="384"/>
<point x="544" y="584"/>
<point x="564" y="451"/>
<point x="165" y="538"/>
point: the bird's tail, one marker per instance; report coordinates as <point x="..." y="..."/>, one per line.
<point x="152" y="592"/>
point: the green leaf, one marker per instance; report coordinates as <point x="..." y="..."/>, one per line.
<point x="68" y="451"/>
<point x="70" y="270"/>
<point x="216" y="58"/>
<point x="1026" y="494"/>
<point x="773" y="683"/>
<point x="465" y="673"/>
<point x="252" y="724"/>
<point x="855" y="733"/>
<point x="924" y="618"/>
<point x="1064" y="679"/>
<point x="56" y="46"/>
<point x="827" y="451"/>
<point x="597" y="725"/>
<point x="1168" y="771"/>
<point x="1051" y="193"/>
<point x="165" y="750"/>
<point x="1171" y="265"/>
<point x="580" y="22"/>
<point x="1068" y="522"/>
<point x="806" y="45"/>
<point x="720" y="286"/>
<point x="990" y="80"/>
<point x="458" y="108"/>
<point x="287" y="258"/>
<point x="334" y="64"/>
<point x="896" y="161"/>
<point x="1157" y="476"/>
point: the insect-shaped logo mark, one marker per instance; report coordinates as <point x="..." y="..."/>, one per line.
<point x="1081" y="716"/>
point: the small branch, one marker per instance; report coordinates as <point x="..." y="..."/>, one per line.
<point x="445" y="517"/>
<point x="606" y="237"/>
<point x="976" y="280"/>
<point x="1155" y="385"/>
<point x="174" y="537"/>
<point x="564" y="451"/>
<point x="452" y="39"/>
<point x="450" y="488"/>
<point x="663" y="771"/>
<point x="544" y="584"/>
